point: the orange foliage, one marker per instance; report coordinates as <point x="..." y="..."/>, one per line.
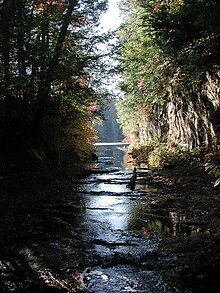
<point x="81" y="82"/>
<point x="80" y="137"/>
<point x="43" y="5"/>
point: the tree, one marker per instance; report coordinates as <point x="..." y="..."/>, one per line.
<point x="168" y="54"/>
<point x="47" y="62"/>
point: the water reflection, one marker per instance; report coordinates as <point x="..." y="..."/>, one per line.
<point x="118" y="206"/>
<point x="129" y="210"/>
<point x="182" y="228"/>
<point x="114" y="210"/>
<point x="116" y="188"/>
<point x="110" y="209"/>
<point x="173" y="224"/>
<point x="110" y="155"/>
<point x="120" y="226"/>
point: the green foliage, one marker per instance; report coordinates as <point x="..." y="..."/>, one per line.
<point x="140" y="153"/>
<point x="159" y="155"/>
<point x="175" y="156"/>
<point x="186" y="24"/>
<point x="142" y="64"/>
<point x="213" y="161"/>
<point x="214" y="170"/>
<point x="166" y="51"/>
<point x="157" y="226"/>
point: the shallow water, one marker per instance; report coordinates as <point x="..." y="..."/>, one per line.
<point x="121" y="233"/>
<point x="109" y="235"/>
<point x="104" y="237"/>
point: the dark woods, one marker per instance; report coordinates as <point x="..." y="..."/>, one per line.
<point x="49" y="91"/>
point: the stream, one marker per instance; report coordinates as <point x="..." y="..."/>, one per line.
<point x="117" y="230"/>
<point x="100" y="237"/>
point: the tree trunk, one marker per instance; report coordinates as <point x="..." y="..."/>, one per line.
<point x="49" y="74"/>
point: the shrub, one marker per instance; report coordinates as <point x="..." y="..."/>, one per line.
<point x="213" y="166"/>
<point x="159" y="155"/>
<point x="140" y="153"/>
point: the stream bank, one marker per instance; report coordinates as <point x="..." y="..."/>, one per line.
<point x="193" y="204"/>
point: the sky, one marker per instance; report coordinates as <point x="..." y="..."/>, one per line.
<point x="111" y="19"/>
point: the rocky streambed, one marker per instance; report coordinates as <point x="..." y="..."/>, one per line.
<point x="97" y="235"/>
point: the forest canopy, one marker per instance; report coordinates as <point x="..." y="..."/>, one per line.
<point x="50" y="86"/>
